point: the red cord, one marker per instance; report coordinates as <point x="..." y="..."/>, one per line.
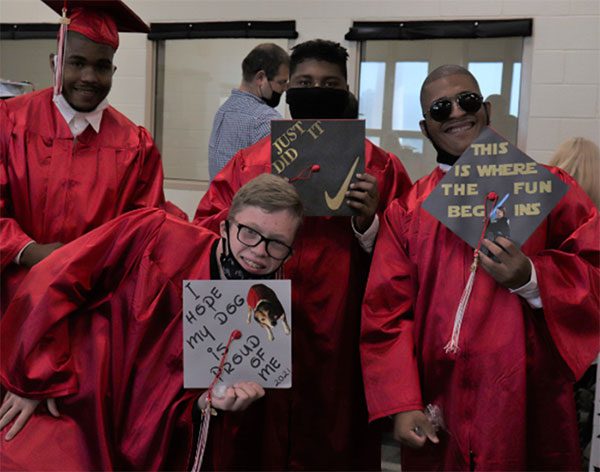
<point x="305" y="174"/>
<point x="235" y="334"/>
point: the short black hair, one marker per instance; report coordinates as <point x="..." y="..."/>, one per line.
<point x="321" y="50"/>
<point x="445" y="71"/>
<point x="268" y="57"/>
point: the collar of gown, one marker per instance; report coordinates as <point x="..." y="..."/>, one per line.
<point x="78" y="121"/>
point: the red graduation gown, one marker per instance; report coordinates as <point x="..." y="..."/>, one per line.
<point x="54" y="187"/>
<point x="321" y="422"/>
<point x="507" y="396"/>
<point x="103" y="331"/>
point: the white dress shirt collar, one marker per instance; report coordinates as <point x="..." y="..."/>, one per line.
<point x="78" y="121"/>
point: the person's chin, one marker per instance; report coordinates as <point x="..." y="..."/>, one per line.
<point x="457" y="146"/>
<point x="84" y="107"/>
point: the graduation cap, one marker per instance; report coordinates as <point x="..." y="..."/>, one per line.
<point x="525" y="192"/>
<point x="98" y="20"/>
<point x="492" y="190"/>
<point x="321" y="159"/>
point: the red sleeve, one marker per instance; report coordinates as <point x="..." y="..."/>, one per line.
<point x="392" y="179"/>
<point x="149" y="190"/>
<point x="35" y="348"/>
<point x="569" y="278"/>
<point x="12" y="237"/>
<point x="389" y="365"/>
<point x="214" y="206"/>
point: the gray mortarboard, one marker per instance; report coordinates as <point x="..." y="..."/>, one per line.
<point x="10" y="88"/>
<point x="321" y="159"/>
<point x="525" y="192"/>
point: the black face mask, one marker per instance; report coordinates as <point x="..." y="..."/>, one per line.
<point x="275" y="97"/>
<point x="317" y="103"/>
<point x="233" y="270"/>
<point x="274" y="100"/>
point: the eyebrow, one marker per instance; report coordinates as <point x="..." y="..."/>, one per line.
<point x="77" y="57"/>
<point x="309" y="76"/>
<point x="276" y="237"/>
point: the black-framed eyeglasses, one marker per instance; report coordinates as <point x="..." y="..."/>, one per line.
<point x="441" y="109"/>
<point x="252" y="238"/>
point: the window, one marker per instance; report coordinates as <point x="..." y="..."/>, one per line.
<point x="392" y="71"/>
<point x="193" y="79"/>
<point x="36" y="69"/>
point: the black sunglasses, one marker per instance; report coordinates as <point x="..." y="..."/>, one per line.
<point x="441" y="109"/>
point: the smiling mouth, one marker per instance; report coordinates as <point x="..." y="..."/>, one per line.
<point x="253" y="265"/>
<point x="460" y="127"/>
<point x="86" y="91"/>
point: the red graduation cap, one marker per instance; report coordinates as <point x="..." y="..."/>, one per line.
<point x="99" y="20"/>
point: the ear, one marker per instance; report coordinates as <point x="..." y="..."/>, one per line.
<point x="260" y="76"/>
<point x="53" y="63"/>
<point x="424" y="130"/>
<point x="222" y="229"/>
<point x="114" y="69"/>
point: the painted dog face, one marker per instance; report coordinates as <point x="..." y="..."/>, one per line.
<point x="265" y="315"/>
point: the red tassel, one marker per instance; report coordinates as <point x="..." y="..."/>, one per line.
<point x="452" y="346"/>
<point x="306" y="174"/>
<point x="62" y="43"/>
<point x="207" y="412"/>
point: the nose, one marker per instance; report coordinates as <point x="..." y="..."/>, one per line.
<point x="88" y="74"/>
<point x="260" y="249"/>
<point x="456" y="109"/>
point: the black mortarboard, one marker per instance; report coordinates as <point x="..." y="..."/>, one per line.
<point x="524" y="190"/>
<point x="321" y="159"/>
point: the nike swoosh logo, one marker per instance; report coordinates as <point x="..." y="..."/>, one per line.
<point x="336" y="202"/>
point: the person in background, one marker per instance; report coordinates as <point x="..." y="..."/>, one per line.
<point x="530" y="330"/>
<point x="321" y="422"/>
<point x="96" y="331"/>
<point x="246" y="115"/>
<point x="68" y="160"/>
<point x="580" y="157"/>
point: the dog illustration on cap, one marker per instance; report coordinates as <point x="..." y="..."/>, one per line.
<point x="266" y="308"/>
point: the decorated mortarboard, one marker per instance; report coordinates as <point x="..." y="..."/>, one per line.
<point x="525" y="191"/>
<point x="235" y="330"/>
<point x="98" y="20"/>
<point x="259" y="311"/>
<point x="492" y="190"/>
<point x="321" y="159"/>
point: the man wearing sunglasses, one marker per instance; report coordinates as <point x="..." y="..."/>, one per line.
<point x="531" y="329"/>
<point x="97" y="329"/>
